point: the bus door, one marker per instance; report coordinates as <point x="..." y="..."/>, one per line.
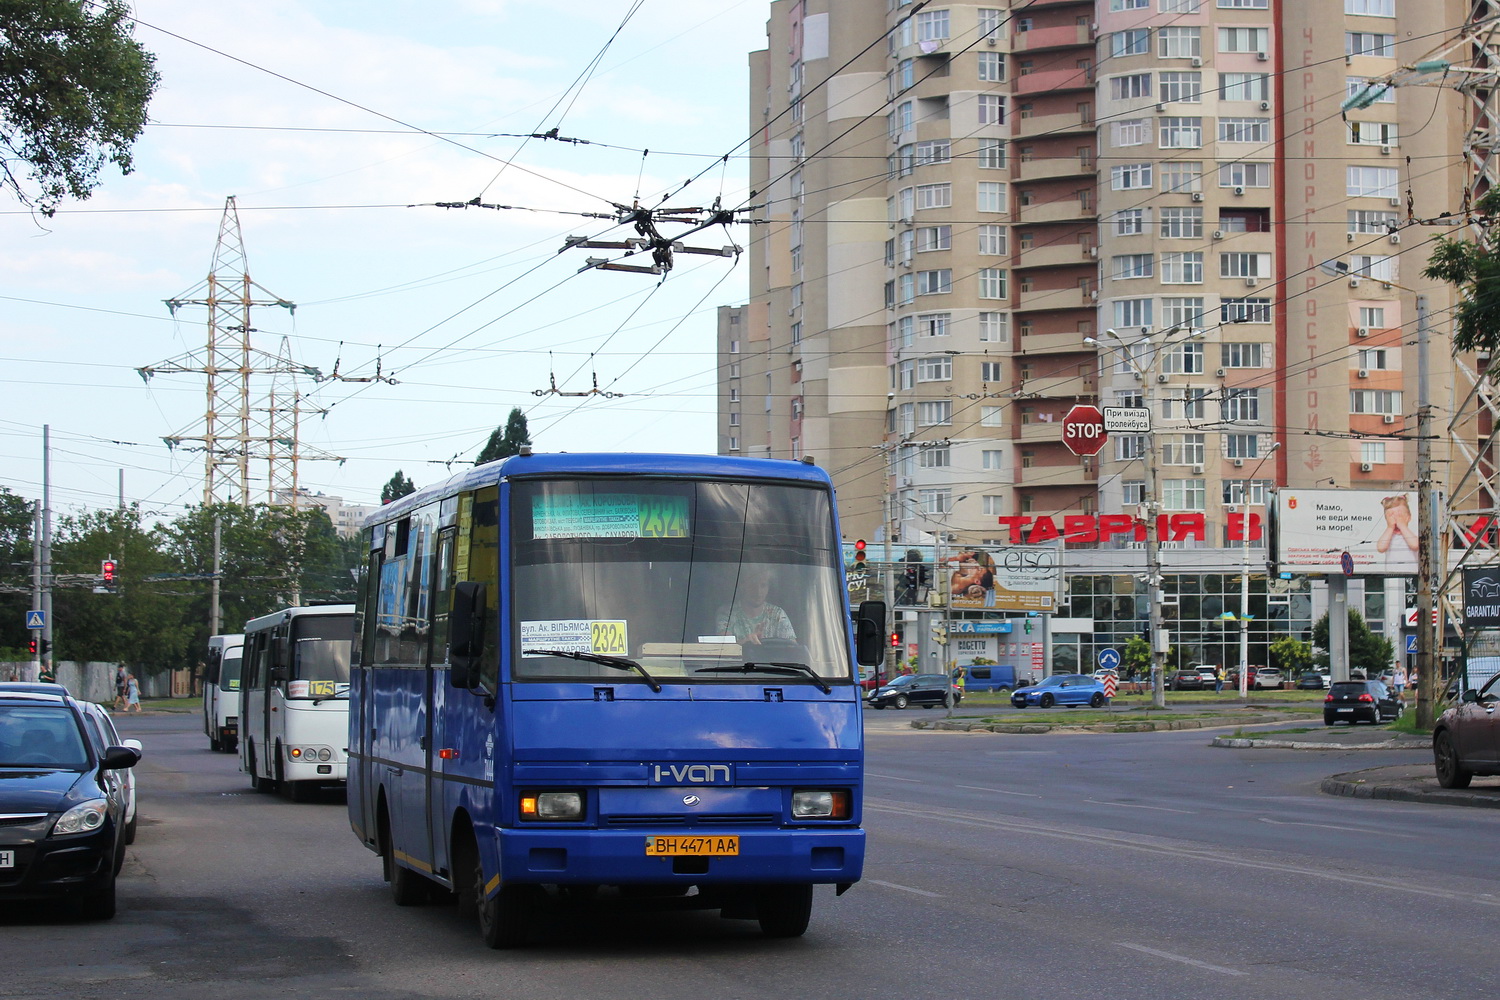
<point x="440" y="587"/>
<point x="362" y="715"/>
<point x="273" y="716"/>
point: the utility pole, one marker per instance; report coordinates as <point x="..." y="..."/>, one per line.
<point x="36" y="582"/>
<point x="214" y="615"/>
<point x="45" y="640"/>
<point x="1427" y="681"/>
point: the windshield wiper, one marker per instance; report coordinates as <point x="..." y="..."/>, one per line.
<point x="777" y="667"/>
<point x="618" y="662"/>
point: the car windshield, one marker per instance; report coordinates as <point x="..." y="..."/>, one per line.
<point x="905" y="680"/>
<point x="692" y="580"/>
<point x="1051" y="682"/>
<point x="41" y="736"/>
<point x="229" y="671"/>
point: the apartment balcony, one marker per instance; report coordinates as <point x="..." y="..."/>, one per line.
<point x="1062" y="210"/>
<point x="1039" y="477"/>
<point x="1070" y="342"/>
<point x="1061" y="37"/>
<point x="1050" y="125"/>
<point x="1053" y="81"/>
<point x="1038" y="432"/>
<point x="1053" y="299"/>
<point x="1059" y="386"/>
<point x="1054" y="168"/>
<point x="1056" y="255"/>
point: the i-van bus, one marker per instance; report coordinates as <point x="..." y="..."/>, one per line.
<point x="221" y="692"/>
<point x="294" y="699"/>
<point x="628" y="673"/>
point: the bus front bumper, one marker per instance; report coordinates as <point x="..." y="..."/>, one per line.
<point x="832" y="855"/>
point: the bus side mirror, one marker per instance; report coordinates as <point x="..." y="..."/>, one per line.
<point x="466" y="634"/>
<point x="869" y="633"/>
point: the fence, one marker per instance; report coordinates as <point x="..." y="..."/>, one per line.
<point x="94" y="680"/>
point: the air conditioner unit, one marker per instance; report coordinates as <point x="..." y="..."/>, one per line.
<point x="1239" y="463"/>
<point x="906" y="263"/>
<point x="1262" y="57"/>
<point x="1161" y="107"/>
<point x="1351" y="237"/>
<point x="1395" y="202"/>
<point x="991" y="40"/>
<point x="1265" y="105"/>
<point x="1353" y="282"/>
<point x="1366" y="467"/>
<point x="1363" y="331"/>
<point x="1197" y="470"/>
<point x="1197" y="195"/>
<point x="1251" y="282"/>
<point x="1364" y="373"/>
<point x="1220" y="373"/>
<point x="1389" y="418"/>
<point x="1385" y="151"/>
<point x="1395" y="237"/>
<point x="1093" y="251"/>
<point x="1094" y="295"/>
<point x="1196" y="62"/>
<point x="1218" y="234"/>
<point x="1161" y="378"/>
<point x="1239" y="190"/>
<point x="906" y="220"/>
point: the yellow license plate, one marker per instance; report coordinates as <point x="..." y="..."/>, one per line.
<point x="692" y="846"/>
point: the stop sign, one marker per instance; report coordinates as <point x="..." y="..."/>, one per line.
<point x="1083" y="430"/>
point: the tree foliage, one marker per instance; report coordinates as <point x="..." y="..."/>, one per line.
<point x="1367" y="651"/>
<point x="398" y="487"/>
<point x="74" y="87"/>
<point x="1291" y="655"/>
<point x="1474" y="268"/>
<point x="506" y="441"/>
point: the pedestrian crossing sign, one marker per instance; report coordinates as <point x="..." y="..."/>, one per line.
<point x="36" y="619"/>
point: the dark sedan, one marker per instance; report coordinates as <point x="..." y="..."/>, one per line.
<point x="64" y="835"/>
<point x="927" y="690"/>
<point x="1361" y="701"/>
<point x="1466" y="739"/>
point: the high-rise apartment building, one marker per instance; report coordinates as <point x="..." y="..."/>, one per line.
<point x="981" y="216"/>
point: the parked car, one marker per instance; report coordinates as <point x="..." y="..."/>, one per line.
<point x="1190" y="679"/>
<point x="1466" y="739"/>
<point x="927" y="690"/>
<point x="1061" y="689"/>
<point x="1312" y="680"/>
<point x="1209" y="676"/>
<point x="1361" y="701"/>
<point x="64" y="835"/>
<point x="1263" y="678"/>
<point x="102" y="730"/>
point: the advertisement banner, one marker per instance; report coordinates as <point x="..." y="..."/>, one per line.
<point x="1482" y="597"/>
<point x="1013" y="578"/>
<point x="1346" y="531"/>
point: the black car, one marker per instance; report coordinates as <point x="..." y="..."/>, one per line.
<point x="1312" y="680"/>
<point x="1188" y="679"/>
<point x="1361" y="701"/>
<point x="1466" y="739"/>
<point x="927" y="690"/>
<point x="65" y="814"/>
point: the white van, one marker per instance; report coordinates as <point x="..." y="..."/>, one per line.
<point x="221" y="692"/>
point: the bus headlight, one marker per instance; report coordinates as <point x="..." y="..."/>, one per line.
<point x="85" y="817"/>
<point x="552" y="807"/>
<point x="820" y="803"/>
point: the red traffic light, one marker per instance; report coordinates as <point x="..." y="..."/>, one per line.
<point x="107" y="570"/>
<point x="859" y="547"/>
<point x="895" y="640"/>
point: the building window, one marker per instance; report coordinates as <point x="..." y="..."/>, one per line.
<point x="1133" y="492"/>
<point x="938" y="369"/>
<point x="1369" y="43"/>
<point x="1378" y="182"/>
<point x="931" y="151"/>
<point x="1129" y="447"/>
<point x="1130" y="176"/>
<point x="934" y="413"/>
<point x="734" y="443"/>
<point x="1182" y="268"/>
<point x="1244" y="130"/>
<point x="1372" y="452"/>
<point x="1186" y="404"/>
<point x="1131" y="221"/>
<point x="1374" y="359"/>
<point x="991" y="154"/>
<point x="1125" y="88"/>
<point x="933" y="458"/>
<point x="930" y="26"/>
<point x="1244" y="86"/>
<point x="1243" y="4"/>
<point x="1245" y="311"/>
<point x="1242" y="355"/>
<point x="1356" y="85"/>
<point x="1132" y="312"/>
<point x="929" y="238"/>
<point x="1241" y="446"/>
<point x="992" y="459"/>
<point x="1179" y="43"/>
<point x="993" y="371"/>
<point x="1372" y="317"/>
<point x="1182" y="310"/>
<point x="1182" y="223"/>
<point x="1184" y="494"/>
<point x="734" y="369"/>
<point x="1242" y="404"/>
<point x="734" y="419"/>
<point x="993" y="327"/>
<point x="994" y="505"/>
<point x="933" y="196"/>
<point x="935" y="501"/>
<point x="1250" y="175"/>
<point x="1117" y="5"/>
<point x="906" y="374"/>
<point x="1371" y="133"/>
<point x="1131" y="265"/>
<point x="991" y="240"/>
<point x="1374" y="401"/>
<point x="933" y="324"/>
<point x="991" y="109"/>
<point x="1373" y="266"/>
<point x="1131" y="132"/>
<point x="991" y="22"/>
<point x="938" y="282"/>
<point x="1181" y="133"/>
<point x="1180" y="88"/>
<point x="1133" y="42"/>
<point x="1181" y="175"/>
<point x="1178" y="6"/>
<point x="991" y="195"/>
<point x="906" y="289"/>
<point x="1244" y="40"/>
<point x="992" y="283"/>
<point x="1244" y="265"/>
<point x="992" y="416"/>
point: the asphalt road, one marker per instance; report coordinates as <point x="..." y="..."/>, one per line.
<point x="1079" y="866"/>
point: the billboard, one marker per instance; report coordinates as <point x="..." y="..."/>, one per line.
<point x="1482" y="597"/>
<point x="1009" y="578"/>
<point x="1340" y="531"/>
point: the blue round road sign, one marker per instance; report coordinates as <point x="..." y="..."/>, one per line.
<point x="1109" y="659"/>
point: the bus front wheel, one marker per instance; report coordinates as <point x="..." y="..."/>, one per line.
<point x="783" y="910"/>
<point x="504" y="918"/>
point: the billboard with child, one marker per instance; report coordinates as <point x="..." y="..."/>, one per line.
<point x="1331" y="531"/>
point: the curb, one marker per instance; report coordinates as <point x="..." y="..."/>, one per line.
<point x="1035" y="728"/>
<point x="1242" y="744"/>
<point x="1403" y="790"/>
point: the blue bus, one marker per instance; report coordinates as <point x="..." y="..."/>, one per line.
<point x="627" y="673"/>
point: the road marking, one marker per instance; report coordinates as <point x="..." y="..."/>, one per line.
<point x="999" y="791"/>
<point x="1344" y="829"/>
<point x="1132" y="805"/>
<point x="906" y="888"/>
<point x="1181" y="958"/>
<point x="892" y="777"/>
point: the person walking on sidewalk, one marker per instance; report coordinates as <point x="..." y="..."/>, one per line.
<point x="132" y="693"/>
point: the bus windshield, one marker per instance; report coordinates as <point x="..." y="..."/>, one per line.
<point x="707" y="582"/>
<point x="229" y="672"/>
<point x="321" y="650"/>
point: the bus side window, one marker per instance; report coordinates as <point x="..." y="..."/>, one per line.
<point x="484" y="568"/>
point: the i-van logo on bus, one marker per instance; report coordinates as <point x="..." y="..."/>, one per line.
<point x="692" y="774"/>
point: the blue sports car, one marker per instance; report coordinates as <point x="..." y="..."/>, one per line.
<point x="1061" y="689"/>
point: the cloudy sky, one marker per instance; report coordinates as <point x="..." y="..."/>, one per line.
<point x="336" y="126"/>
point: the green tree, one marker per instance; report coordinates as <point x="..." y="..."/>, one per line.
<point x="1291" y="655"/>
<point x="1136" y="658"/>
<point x="507" y="441"/>
<point x="1473" y="267"/>
<point x="1367" y="651"/>
<point x="398" y="487"/>
<point x="16" y="527"/>
<point x="74" y="87"/>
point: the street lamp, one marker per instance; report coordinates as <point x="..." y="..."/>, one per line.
<point x="1143" y="364"/>
<point x="1245" y="571"/>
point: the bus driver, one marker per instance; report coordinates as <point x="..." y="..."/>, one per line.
<point x="750" y="618"/>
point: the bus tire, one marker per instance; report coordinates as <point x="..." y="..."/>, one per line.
<point x="504" y="918"/>
<point x="783" y="911"/>
<point x="407" y="887"/>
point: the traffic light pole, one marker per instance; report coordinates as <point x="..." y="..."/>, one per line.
<point x="46" y="559"/>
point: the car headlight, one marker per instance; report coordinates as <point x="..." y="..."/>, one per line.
<point x="85" y="817"/>
<point x="552" y="807"/>
<point x="820" y="803"/>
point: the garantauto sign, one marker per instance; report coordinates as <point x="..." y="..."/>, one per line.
<point x="1094" y="529"/>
